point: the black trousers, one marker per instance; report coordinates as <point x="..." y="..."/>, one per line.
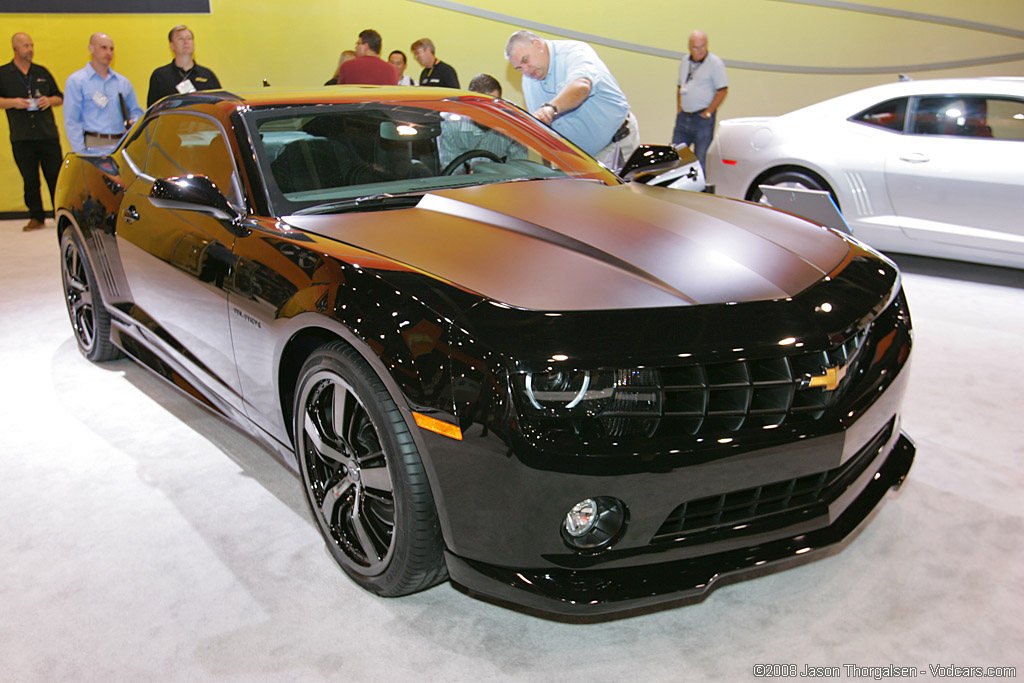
<point x="31" y="155"/>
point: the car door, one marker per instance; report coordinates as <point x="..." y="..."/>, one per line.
<point x="178" y="262"/>
<point x="957" y="176"/>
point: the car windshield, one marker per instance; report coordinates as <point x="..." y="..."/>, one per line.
<point x="329" y="157"/>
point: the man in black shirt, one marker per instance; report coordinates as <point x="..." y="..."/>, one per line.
<point x="29" y="93"/>
<point x="435" y="72"/>
<point x="182" y="75"/>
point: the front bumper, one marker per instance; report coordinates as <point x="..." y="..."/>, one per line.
<point x="601" y="591"/>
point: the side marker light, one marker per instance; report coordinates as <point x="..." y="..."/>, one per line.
<point x="437" y="426"/>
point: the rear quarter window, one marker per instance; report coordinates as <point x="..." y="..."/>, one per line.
<point x="890" y="115"/>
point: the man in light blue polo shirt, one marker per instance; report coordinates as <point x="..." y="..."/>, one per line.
<point x="568" y="87"/>
<point x="93" y="113"/>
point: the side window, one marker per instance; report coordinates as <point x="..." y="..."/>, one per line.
<point x="889" y="114"/>
<point x="1006" y="118"/>
<point x="182" y="144"/>
<point x="972" y="116"/>
<point x="137" y="148"/>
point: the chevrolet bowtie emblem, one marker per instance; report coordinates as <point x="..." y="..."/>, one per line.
<point x="830" y="380"/>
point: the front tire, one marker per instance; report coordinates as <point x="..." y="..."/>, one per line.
<point x="90" y="319"/>
<point x="363" y="477"/>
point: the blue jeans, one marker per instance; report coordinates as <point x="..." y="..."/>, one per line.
<point x="696" y="130"/>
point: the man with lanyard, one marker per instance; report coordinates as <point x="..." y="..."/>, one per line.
<point x="700" y="91"/>
<point x="435" y="72"/>
<point x="182" y="75"/>
<point x="28" y="93"/>
<point x="99" y="103"/>
<point x="568" y="87"/>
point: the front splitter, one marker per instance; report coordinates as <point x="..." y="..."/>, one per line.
<point x="604" y="591"/>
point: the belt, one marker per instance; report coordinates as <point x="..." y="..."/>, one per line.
<point x="104" y="136"/>
<point x="691" y="113"/>
<point x="622" y="132"/>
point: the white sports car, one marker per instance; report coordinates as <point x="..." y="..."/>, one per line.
<point x="931" y="167"/>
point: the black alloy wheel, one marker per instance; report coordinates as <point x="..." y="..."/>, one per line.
<point x="90" y="320"/>
<point x="363" y="477"/>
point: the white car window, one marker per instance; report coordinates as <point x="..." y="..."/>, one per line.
<point x="1006" y="119"/>
<point x="889" y="114"/>
<point x="974" y="116"/>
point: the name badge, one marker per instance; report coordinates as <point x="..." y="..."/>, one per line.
<point x="185" y="87"/>
<point x="100" y="99"/>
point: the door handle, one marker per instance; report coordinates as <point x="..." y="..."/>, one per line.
<point x="130" y="214"/>
<point x="915" y="158"/>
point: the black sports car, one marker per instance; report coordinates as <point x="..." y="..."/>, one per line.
<point x="488" y="357"/>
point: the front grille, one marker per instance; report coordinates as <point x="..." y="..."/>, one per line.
<point x="716" y="397"/>
<point x="770" y="506"/>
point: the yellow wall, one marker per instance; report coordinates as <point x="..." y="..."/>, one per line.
<point x="297" y="44"/>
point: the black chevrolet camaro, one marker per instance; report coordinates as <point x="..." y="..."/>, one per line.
<point x="486" y="356"/>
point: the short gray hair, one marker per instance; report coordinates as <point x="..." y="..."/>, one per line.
<point x="520" y="37"/>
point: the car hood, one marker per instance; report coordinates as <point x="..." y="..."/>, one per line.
<point x="571" y="244"/>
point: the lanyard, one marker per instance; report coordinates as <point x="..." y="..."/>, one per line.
<point x="693" y="68"/>
<point x="26" y="79"/>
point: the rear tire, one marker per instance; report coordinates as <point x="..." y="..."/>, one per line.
<point x="90" y="319"/>
<point x="363" y="478"/>
<point x="803" y="180"/>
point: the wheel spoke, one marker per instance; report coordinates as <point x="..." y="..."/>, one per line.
<point x="84" y="299"/>
<point x="374" y="472"/>
<point x="369" y="545"/>
<point x="323" y="448"/>
<point x="334" y="497"/>
<point x="339" y="407"/>
<point x="75" y="284"/>
<point x="376" y="478"/>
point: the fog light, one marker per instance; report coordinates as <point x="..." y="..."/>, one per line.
<point x="581" y="518"/>
<point x="593" y="524"/>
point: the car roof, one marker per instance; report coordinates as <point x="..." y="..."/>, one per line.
<point x="857" y="100"/>
<point x="267" y="97"/>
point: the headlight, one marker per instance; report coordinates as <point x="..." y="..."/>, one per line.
<point x="591" y="393"/>
<point x="571" y="391"/>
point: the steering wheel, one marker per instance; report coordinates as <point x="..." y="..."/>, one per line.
<point x="454" y="164"/>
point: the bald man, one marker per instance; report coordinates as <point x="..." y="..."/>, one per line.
<point x="28" y="93"/>
<point x="700" y="91"/>
<point x="99" y="103"/>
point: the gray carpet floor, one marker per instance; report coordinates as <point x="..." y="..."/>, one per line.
<point x="142" y="538"/>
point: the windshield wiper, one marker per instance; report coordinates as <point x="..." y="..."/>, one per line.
<point x="370" y="201"/>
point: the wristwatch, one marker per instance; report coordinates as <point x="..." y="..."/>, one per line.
<point x="553" y="107"/>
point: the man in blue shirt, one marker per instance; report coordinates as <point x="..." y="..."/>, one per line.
<point x="99" y="104"/>
<point x="568" y="87"/>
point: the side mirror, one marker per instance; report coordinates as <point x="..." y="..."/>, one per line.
<point x="650" y="159"/>
<point x="192" y="193"/>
